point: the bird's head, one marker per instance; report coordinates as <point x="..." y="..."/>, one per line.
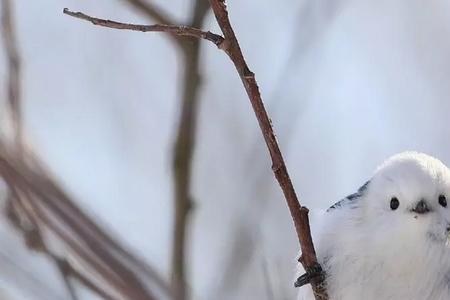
<point x="408" y="201"/>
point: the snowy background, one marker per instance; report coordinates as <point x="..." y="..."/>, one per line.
<point x="347" y="83"/>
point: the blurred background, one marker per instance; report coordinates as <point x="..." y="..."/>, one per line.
<point x="346" y="83"/>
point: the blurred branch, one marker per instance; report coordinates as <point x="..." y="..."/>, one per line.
<point x="268" y="283"/>
<point x="230" y="45"/>
<point x="53" y="208"/>
<point x="36" y="203"/>
<point x="13" y="62"/>
<point x="185" y="138"/>
<point x="151" y="11"/>
<point x="184" y="148"/>
<point x="65" y="269"/>
<point x="22" y="276"/>
<point x="240" y="255"/>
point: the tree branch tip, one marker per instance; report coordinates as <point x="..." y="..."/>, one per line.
<point x="68" y="12"/>
<point x="75" y="14"/>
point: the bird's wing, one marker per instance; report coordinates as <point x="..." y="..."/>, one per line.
<point x="351" y="200"/>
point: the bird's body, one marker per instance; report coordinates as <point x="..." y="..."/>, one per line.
<point x="390" y="240"/>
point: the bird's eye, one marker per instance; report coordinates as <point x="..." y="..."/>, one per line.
<point x="443" y="201"/>
<point x="394" y="203"/>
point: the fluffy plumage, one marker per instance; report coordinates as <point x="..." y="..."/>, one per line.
<point x="373" y="250"/>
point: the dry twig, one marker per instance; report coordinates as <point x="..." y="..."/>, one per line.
<point x="184" y="149"/>
<point x="25" y="218"/>
<point x="299" y="213"/>
<point x="171" y="29"/>
<point x="229" y="44"/>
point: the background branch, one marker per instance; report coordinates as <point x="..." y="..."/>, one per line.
<point x="36" y="201"/>
<point x="47" y="204"/>
<point x="13" y="65"/>
<point x="184" y="144"/>
<point x="184" y="148"/>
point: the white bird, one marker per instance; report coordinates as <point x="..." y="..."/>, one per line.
<point x="390" y="240"/>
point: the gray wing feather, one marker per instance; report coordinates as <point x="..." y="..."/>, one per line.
<point x="350" y="200"/>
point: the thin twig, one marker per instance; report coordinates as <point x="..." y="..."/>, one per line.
<point x="268" y="282"/>
<point x="299" y="213"/>
<point x="171" y="29"/>
<point x="151" y="11"/>
<point x="229" y="44"/>
<point x="33" y="190"/>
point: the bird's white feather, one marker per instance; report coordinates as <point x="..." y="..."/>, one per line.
<point x="373" y="252"/>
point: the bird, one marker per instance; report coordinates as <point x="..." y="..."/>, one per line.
<point x="390" y="240"/>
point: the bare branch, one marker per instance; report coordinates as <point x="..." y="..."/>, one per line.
<point x="185" y="139"/>
<point x="155" y="15"/>
<point x="299" y="213"/>
<point x="183" y="152"/>
<point x="64" y="271"/>
<point x="229" y="44"/>
<point x="69" y="271"/>
<point x="17" y="210"/>
<point x="14" y="83"/>
<point x="53" y="208"/>
<point x="44" y="205"/>
<point x="171" y="29"/>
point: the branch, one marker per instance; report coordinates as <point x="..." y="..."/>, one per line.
<point x="53" y="208"/>
<point x="13" y="60"/>
<point x="299" y="213"/>
<point x="230" y="45"/>
<point x="25" y="219"/>
<point x="171" y="29"/>
<point x="185" y="137"/>
<point x="183" y="150"/>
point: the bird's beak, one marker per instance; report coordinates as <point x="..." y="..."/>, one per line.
<point x="421" y="207"/>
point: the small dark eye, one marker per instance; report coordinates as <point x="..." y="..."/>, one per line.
<point x="443" y="201"/>
<point x="394" y="203"/>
